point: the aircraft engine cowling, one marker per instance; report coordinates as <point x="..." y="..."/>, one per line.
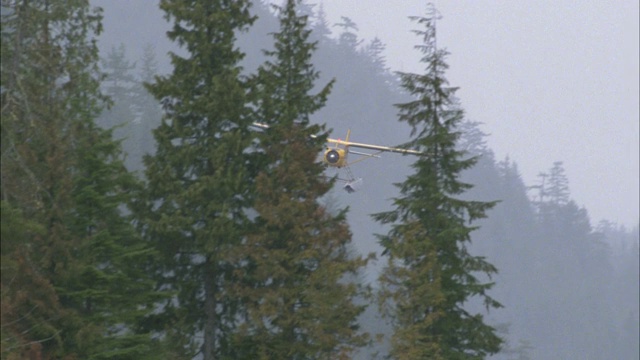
<point x="335" y="157"/>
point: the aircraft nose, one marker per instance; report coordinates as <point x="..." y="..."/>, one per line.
<point x="332" y="156"/>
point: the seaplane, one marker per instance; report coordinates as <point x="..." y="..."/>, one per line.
<point x="336" y="154"/>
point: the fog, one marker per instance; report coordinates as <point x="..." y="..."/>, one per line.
<point x="550" y="84"/>
<point x="551" y="80"/>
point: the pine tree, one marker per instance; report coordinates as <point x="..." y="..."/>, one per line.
<point x="374" y="50"/>
<point x="120" y="85"/>
<point x="299" y="291"/>
<point x="28" y="301"/>
<point x="430" y="273"/>
<point x="558" y="185"/>
<point x="72" y="289"/>
<point x="200" y="177"/>
<point x="348" y="37"/>
<point x="576" y="269"/>
<point x="321" y="31"/>
<point x="148" y="111"/>
<point x="473" y="140"/>
<point x="119" y="79"/>
<point x="132" y="113"/>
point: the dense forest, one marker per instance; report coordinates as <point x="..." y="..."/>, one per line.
<point x="143" y="216"/>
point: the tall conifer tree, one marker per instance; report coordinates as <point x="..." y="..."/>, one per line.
<point x="72" y="288"/>
<point x="200" y="177"/>
<point x="120" y="84"/>
<point x="300" y="300"/>
<point x="577" y="269"/>
<point x="430" y="273"/>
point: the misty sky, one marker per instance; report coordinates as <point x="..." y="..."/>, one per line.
<point x="550" y="80"/>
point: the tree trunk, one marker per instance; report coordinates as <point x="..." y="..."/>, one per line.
<point x="210" y="310"/>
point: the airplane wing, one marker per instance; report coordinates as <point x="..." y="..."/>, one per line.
<point x="373" y="147"/>
<point x="348" y="143"/>
<point x="260" y="125"/>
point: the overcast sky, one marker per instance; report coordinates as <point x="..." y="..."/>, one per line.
<point x="551" y="81"/>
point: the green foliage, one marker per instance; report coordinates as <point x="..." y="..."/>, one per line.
<point x="299" y="274"/>
<point x="194" y="209"/>
<point x="28" y="299"/>
<point x="256" y="263"/>
<point x="72" y="288"/>
<point x="430" y="273"/>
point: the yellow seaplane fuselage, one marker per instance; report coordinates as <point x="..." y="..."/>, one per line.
<point x="337" y="151"/>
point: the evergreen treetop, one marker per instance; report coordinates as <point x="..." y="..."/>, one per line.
<point x="430" y="273"/>
<point x="300" y="293"/>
